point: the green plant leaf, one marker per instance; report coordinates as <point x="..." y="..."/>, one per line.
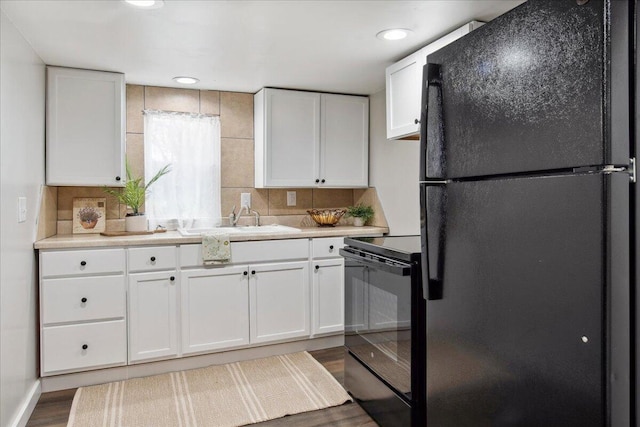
<point x="134" y="192"/>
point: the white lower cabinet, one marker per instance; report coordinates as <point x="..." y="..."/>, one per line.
<point x="153" y="315"/>
<point x="279" y="301"/>
<point x="101" y="308"/>
<point x="328" y="296"/>
<point x="215" y="308"/>
<point x="83" y="346"/>
<point x="82" y="310"/>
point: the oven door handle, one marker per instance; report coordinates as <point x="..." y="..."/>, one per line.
<point x="398" y="270"/>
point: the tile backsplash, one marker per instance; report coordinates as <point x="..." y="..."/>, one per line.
<point x="237" y="174"/>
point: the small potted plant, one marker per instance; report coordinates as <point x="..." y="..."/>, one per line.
<point x="133" y="195"/>
<point x="360" y="214"/>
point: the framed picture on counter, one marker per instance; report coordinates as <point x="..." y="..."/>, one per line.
<point x="89" y="215"/>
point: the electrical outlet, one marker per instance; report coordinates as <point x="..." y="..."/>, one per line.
<point x="22" y="209"/>
<point x="245" y="200"/>
<point x="291" y="198"/>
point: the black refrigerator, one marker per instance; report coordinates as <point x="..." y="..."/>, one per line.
<point x="527" y="182"/>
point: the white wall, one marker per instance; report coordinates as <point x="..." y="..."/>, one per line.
<point x="393" y="171"/>
<point x="22" y="93"/>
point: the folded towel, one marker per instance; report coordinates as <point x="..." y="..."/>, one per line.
<point x="216" y="248"/>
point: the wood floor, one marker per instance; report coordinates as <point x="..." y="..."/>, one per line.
<point x="53" y="408"/>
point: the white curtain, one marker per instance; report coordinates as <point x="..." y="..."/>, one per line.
<point x="190" y="193"/>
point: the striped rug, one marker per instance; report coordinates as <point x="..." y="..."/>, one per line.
<point x="234" y="394"/>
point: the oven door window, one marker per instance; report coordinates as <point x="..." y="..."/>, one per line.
<point x="378" y="322"/>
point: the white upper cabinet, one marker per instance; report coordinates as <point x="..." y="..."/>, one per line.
<point x="85" y="127"/>
<point x="287" y="138"/>
<point x="404" y="83"/>
<point x="308" y="139"/>
<point x="344" y="141"/>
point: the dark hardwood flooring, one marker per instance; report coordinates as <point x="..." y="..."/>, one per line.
<point x="53" y="408"/>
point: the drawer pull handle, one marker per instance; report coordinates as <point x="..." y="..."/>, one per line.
<point x="331" y="247"/>
<point x="246" y="273"/>
<point x="83" y="263"/>
<point x="323" y="181"/>
<point x="317" y="267"/>
<point x="172" y="278"/>
<point x="253" y="272"/>
<point x="153" y="259"/>
<point x="84" y="346"/>
<point x="83" y="300"/>
<point x="317" y="181"/>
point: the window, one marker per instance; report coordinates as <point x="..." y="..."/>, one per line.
<point x="190" y="193"/>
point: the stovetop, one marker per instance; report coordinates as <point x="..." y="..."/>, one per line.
<point x="407" y="248"/>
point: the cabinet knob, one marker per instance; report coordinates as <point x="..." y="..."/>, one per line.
<point x="253" y="272"/>
<point x="322" y="181"/>
<point x="317" y="267"/>
<point x="84" y="346"/>
<point x="83" y="300"/>
<point x="317" y="181"/>
<point x="118" y="178"/>
<point x="172" y="278"/>
<point x="246" y="273"/>
<point x="153" y="259"/>
<point x="83" y="263"/>
<point x="331" y="247"/>
<point x="416" y="121"/>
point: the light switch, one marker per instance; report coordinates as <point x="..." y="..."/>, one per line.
<point x="22" y="209"/>
<point x="245" y="199"/>
<point x="291" y="198"/>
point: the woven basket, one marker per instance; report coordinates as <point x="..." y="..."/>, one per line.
<point x="326" y="217"/>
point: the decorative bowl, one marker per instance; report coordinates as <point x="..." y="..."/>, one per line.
<point x="326" y="217"/>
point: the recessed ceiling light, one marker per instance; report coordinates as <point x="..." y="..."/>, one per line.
<point x="146" y="4"/>
<point x="393" y="34"/>
<point x="186" y="80"/>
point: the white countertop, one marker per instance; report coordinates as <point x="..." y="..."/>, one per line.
<point x="70" y="241"/>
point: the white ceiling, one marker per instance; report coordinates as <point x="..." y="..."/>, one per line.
<point x="241" y="45"/>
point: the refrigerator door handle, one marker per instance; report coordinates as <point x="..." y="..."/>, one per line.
<point x="430" y="77"/>
<point x="432" y="263"/>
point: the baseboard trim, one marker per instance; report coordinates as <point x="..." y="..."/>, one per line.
<point x="28" y="405"/>
<point x="119" y="373"/>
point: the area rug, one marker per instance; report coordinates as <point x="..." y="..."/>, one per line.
<point x="234" y="394"/>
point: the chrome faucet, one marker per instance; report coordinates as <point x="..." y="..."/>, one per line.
<point x="233" y="218"/>
<point x="257" y="215"/>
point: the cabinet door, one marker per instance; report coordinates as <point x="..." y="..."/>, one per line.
<point x="327" y="296"/>
<point x="404" y="79"/>
<point x="279" y="301"/>
<point x="152" y="315"/>
<point x="85" y="127"/>
<point x="215" y="309"/>
<point x="404" y="83"/>
<point x="287" y="138"/>
<point x="344" y="142"/>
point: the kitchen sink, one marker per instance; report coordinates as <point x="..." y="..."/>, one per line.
<point x="241" y="229"/>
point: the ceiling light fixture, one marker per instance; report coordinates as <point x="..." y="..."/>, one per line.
<point x="393" y="34"/>
<point x="186" y="80"/>
<point x="145" y="4"/>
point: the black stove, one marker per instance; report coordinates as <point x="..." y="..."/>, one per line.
<point x="385" y="328"/>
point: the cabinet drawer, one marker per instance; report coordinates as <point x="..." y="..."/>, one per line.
<point x="326" y="247"/>
<point x="83" y="298"/>
<point x="152" y="258"/>
<point x="251" y="252"/>
<point x="62" y="346"/>
<point x="93" y="261"/>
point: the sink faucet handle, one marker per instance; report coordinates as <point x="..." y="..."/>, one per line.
<point x="233" y="210"/>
